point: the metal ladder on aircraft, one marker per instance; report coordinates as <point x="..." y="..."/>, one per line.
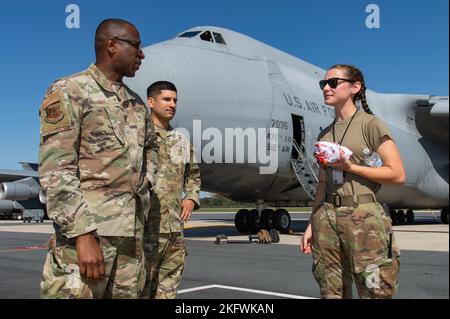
<point x="304" y="171"/>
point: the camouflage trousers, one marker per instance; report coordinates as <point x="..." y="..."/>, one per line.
<point x="354" y="244"/>
<point x="124" y="264"/>
<point x="165" y="255"/>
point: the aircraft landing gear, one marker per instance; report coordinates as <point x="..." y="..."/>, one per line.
<point x="281" y="221"/>
<point x="410" y="216"/>
<point x="401" y="217"/>
<point x="444" y="215"/>
<point x="240" y="220"/>
<point x="252" y="221"/>
<point x="393" y="215"/>
<point x="265" y="221"/>
<point x="246" y="221"/>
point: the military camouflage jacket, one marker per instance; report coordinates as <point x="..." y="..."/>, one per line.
<point x="178" y="172"/>
<point x="96" y="136"/>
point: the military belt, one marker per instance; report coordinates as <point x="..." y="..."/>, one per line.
<point x="349" y="200"/>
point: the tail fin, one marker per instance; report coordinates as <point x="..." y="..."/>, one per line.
<point x="29" y="166"/>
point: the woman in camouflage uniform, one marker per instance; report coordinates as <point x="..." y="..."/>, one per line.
<point x="349" y="234"/>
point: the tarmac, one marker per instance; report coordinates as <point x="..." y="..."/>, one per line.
<point x="242" y="269"/>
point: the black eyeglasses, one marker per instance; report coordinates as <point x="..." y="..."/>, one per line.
<point x="136" y="44"/>
<point x="333" y="82"/>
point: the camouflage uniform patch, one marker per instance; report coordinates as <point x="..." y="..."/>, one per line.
<point x="54" y="114"/>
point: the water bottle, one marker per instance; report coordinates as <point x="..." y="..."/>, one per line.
<point x="372" y="159"/>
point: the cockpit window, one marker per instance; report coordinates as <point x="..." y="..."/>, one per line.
<point x="206" y="36"/>
<point x="189" y="34"/>
<point x="218" y="37"/>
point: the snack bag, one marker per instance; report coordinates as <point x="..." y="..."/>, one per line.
<point x="328" y="152"/>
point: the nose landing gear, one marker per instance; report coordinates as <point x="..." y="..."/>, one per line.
<point x="252" y="221"/>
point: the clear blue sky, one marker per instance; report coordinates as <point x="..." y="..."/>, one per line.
<point x="408" y="54"/>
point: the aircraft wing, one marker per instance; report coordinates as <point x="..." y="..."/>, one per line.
<point x="432" y="117"/>
<point x="29" y="170"/>
<point x="7" y="175"/>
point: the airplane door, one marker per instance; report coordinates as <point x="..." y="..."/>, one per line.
<point x="280" y="118"/>
<point x="291" y="133"/>
<point x="305" y="166"/>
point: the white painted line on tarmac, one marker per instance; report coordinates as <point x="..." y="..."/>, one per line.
<point x="185" y="291"/>
<point x="261" y="292"/>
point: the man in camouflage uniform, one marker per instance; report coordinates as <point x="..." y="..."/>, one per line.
<point x="178" y="172"/>
<point x="98" y="158"/>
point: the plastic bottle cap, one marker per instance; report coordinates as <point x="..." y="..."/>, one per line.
<point x="366" y="151"/>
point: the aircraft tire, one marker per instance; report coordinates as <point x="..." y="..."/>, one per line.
<point x="252" y="222"/>
<point x="282" y="221"/>
<point x="393" y="215"/>
<point x="240" y="220"/>
<point x="410" y="216"/>
<point x="401" y="217"/>
<point x="265" y="221"/>
<point x="444" y="215"/>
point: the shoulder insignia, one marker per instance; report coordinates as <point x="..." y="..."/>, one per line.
<point x="53" y="113"/>
<point x="51" y="108"/>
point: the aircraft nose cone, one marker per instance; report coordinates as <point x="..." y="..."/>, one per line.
<point x="153" y="68"/>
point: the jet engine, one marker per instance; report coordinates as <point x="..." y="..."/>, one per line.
<point x="19" y="190"/>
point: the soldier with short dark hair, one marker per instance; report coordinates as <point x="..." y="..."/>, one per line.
<point x="178" y="172"/>
<point x="97" y="162"/>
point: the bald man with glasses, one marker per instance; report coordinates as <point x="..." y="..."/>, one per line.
<point x="97" y="162"/>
